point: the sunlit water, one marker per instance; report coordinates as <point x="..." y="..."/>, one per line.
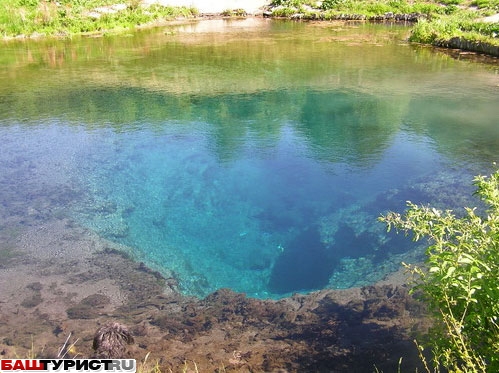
<point x="253" y="155"/>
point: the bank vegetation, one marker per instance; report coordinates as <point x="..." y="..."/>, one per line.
<point x="465" y="24"/>
<point x="64" y="18"/>
<point x="460" y="279"/>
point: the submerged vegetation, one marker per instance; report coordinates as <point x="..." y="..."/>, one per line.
<point x="460" y="280"/>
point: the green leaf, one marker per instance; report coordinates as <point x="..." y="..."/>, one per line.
<point x="465" y="259"/>
<point x="450" y="271"/>
<point x="461" y="281"/>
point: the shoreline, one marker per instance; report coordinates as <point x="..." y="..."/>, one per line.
<point x="202" y="9"/>
<point x="65" y="280"/>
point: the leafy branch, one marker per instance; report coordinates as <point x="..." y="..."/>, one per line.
<point x="460" y="278"/>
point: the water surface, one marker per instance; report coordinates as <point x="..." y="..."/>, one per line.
<point x="254" y="155"/>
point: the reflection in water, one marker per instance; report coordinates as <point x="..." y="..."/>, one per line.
<point x="251" y="158"/>
<point x="350" y="126"/>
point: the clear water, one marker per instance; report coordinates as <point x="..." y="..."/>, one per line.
<point x="251" y="155"/>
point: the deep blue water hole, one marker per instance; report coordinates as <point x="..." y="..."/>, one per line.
<point x="304" y="265"/>
<point x="269" y="213"/>
<point x="259" y="166"/>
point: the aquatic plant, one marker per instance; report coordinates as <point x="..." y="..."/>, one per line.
<point x="111" y="340"/>
<point x="460" y="279"/>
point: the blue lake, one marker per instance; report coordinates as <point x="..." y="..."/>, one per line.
<point x="252" y="155"/>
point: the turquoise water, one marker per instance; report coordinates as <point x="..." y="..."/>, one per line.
<point x="255" y="157"/>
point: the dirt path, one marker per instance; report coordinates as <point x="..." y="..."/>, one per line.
<point x="492" y="19"/>
<point x="210" y="6"/>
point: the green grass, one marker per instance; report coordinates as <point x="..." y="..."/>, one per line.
<point x="32" y="17"/>
<point x="440" y="21"/>
<point x="459" y="25"/>
<point x="444" y="19"/>
<point x="487" y="4"/>
<point x="366" y="7"/>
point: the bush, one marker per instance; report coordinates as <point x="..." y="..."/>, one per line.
<point x="293" y="3"/>
<point x="331" y="4"/>
<point x="460" y="279"/>
<point x="450" y="2"/>
<point x="431" y="31"/>
<point x="25" y="17"/>
<point x="487" y="4"/>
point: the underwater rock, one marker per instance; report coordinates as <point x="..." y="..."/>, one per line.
<point x="35" y="286"/>
<point x="82" y="312"/>
<point x="385" y="302"/>
<point x="96" y="300"/>
<point x="89" y="307"/>
<point x="32" y="301"/>
<point x="35" y="298"/>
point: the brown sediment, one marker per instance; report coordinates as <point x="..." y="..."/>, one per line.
<point x="67" y="281"/>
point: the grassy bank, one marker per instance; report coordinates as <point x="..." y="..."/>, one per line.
<point x="66" y="17"/>
<point x="449" y="23"/>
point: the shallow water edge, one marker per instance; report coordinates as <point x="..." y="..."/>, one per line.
<point x="87" y="282"/>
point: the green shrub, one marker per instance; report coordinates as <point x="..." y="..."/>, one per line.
<point x="25" y="17"/>
<point x="450" y="2"/>
<point x="284" y="12"/>
<point x="29" y="3"/>
<point x="378" y="8"/>
<point x="460" y="279"/>
<point x="487" y="4"/>
<point x="429" y="32"/>
<point x="488" y="29"/>
<point x="461" y="24"/>
<point x="331" y="4"/>
<point x="293" y="3"/>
